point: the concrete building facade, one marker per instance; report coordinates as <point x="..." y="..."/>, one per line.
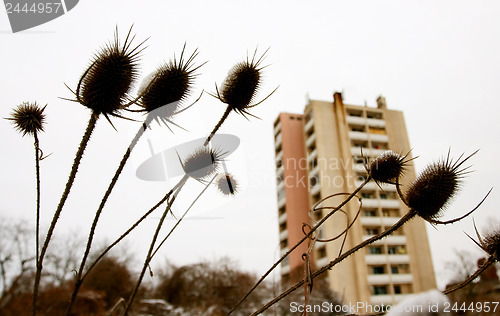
<point x="321" y="153"/>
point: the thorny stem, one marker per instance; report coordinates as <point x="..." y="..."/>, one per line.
<point x="79" y="154"/>
<point x="216" y="128"/>
<point x="394" y="227"/>
<point x="306" y="236"/>
<point x="112" y="184"/>
<point x="37" y="164"/>
<point x="152" y="246"/>
<point x="481" y="269"/>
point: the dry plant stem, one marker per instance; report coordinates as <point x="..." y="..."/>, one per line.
<point x="152" y="246"/>
<point x="37" y="166"/>
<point x="112" y="184"/>
<point x="307" y="236"/>
<point x="216" y="128"/>
<point x="394" y="227"/>
<point x="125" y="234"/>
<point x="79" y="154"/>
<point x="491" y="260"/>
<point x="183" y="215"/>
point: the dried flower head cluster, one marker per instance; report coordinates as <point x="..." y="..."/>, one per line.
<point x="170" y="84"/>
<point x="434" y="188"/>
<point x="227" y="184"/>
<point x="242" y="84"/>
<point x="203" y="163"/>
<point x="28" y="118"/>
<point x="104" y="86"/>
<point x="387" y="167"/>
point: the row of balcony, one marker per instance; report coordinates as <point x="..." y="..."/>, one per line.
<point x="365" y="136"/>
<point x="372" y="122"/>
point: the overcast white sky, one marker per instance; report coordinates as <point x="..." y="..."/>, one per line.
<point x="437" y="61"/>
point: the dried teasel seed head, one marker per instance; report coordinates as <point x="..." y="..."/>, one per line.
<point x="241" y="84"/>
<point x="491" y="243"/>
<point x="28" y="118"/>
<point x="227" y="184"/>
<point x="203" y="163"/>
<point x="434" y="188"/>
<point x="105" y="84"/>
<point x="387" y="167"/>
<point x="169" y="85"/>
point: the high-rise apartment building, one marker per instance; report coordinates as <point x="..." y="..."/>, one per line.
<point x="321" y="153"/>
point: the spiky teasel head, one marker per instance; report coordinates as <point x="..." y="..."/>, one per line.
<point x="227" y="184"/>
<point x="242" y="84"/>
<point x="28" y="118"/>
<point x="435" y="187"/>
<point x="163" y="93"/>
<point x="203" y="163"/>
<point x="105" y="85"/>
<point x="388" y="167"/>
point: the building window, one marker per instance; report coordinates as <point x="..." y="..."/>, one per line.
<point x="378" y="270"/>
<point x="282" y="226"/>
<point x="396" y="250"/>
<point x="394" y="270"/>
<point x="375" y="250"/>
<point x="370" y="213"/>
<point x="397" y="289"/>
<point x="380" y="290"/>
<point x="375" y="115"/>
<point x="322" y="252"/>
<point x="383" y="196"/>
<point x="371" y="231"/>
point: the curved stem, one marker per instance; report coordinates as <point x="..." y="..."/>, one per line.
<point x="79" y="154"/>
<point x="216" y="128"/>
<point x="313" y="229"/>
<point x="394" y="227"/>
<point x="104" y="199"/>
<point x="152" y="246"/>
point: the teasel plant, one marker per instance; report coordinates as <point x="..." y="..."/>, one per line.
<point x="240" y="88"/>
<point x="29" y="119"/>
<point x="160" y="98"/>
<point x="103" y="88"/>
<point x="427" y="197"/>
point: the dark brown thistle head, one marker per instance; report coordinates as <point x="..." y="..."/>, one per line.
<point x="203" y="163"/>
<point x="105" y="85"/>
<point x="242" y="84"/>
<point x="28" y="118"/>
<point x="169" y="86"/>
<point x="435" y="187"/>
<point x="227" y="184"/>
<point x="388" y="167"/>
